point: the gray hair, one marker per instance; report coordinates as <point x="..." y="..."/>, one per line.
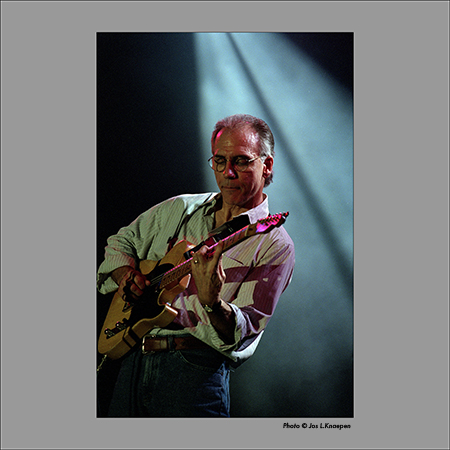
<point x="266" y="139"/>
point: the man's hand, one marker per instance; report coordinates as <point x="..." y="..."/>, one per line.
<point x="209" y="278"/>
<point x="131" y="283"/>
<point x="208" y="274"/>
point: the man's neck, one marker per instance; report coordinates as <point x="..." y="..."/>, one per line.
<point x="225" y="212"/>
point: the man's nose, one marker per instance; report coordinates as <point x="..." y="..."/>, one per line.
<point x="229" y="171"/>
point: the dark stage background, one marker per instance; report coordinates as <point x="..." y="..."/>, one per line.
<point x="151" y="122"/>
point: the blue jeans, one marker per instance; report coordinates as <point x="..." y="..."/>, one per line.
<point x="181" y="383"/>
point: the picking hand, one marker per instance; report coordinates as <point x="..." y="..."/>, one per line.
<point x="132" y="285"/>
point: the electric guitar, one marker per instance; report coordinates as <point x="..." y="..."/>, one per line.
<point x="126" y="323"/>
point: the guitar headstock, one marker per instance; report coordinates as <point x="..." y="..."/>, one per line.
<point x="276" y="220"/>
<point x="261" y="226"/>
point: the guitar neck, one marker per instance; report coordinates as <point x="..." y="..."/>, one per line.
<point x="185" y="268"/>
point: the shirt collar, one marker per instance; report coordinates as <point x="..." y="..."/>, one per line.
<point x="259" y="212"/>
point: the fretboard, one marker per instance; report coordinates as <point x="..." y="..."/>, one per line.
<point x="183" y="269"/>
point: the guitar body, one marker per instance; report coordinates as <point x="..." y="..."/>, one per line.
<point x="126" y="324"/>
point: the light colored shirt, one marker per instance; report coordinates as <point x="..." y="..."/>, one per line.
<point x="257" y="269"/>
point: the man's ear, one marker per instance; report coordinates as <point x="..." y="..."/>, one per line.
<point x="268" y="166"/>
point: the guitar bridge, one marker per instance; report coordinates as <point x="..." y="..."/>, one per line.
<point x="120" y="326"/>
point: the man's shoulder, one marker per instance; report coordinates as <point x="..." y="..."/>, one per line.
<point x="193" y="198"/>
<point x="188" y="201"/>
<point x="185" y="200"/>
<point x="280" y="234"/>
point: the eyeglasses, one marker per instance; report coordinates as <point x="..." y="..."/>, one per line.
<point x="239" y="163"/>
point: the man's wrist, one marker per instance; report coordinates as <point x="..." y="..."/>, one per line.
<point x="215" y="307"/>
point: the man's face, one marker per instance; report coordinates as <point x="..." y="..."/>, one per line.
<point x="243" y="189"/>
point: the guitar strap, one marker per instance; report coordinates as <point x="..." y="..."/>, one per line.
<point x="222" y="232"/>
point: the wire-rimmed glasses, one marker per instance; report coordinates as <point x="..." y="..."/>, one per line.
<point x="239" y="163"/>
